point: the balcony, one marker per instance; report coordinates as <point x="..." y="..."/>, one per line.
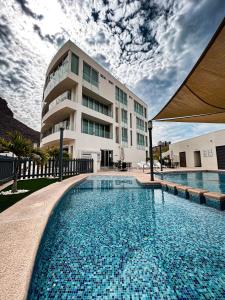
<point x="51" y="135"/>
<point x="60" y="81"/>
<point x="48" y="107"/>
<point x="61" y="110"/>
<point x="54" y="138"/>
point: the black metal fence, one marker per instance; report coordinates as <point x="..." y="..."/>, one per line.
<point x="29" y="168"/>
<point x="7" y="165"/>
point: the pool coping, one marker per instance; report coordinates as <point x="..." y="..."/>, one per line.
<point x="23" y="224"/>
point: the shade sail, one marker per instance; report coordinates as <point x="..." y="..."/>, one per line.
<point x="201" y="97"/>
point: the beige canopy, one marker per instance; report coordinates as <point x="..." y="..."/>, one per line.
<point x="201" y="97"/>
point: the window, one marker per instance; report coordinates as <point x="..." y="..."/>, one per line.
<point x="93" y="128"/>
<point x="85" y="126"/>
<point x="117" y="135"/>
<point x="146" y="127"/>
<point x="145" y="112"/>
<point x="94" y="77"/>
<point x="140" y="124"/>
<point x="146" y="141"/>
<point x="75" y="64"/>
<point x="138" y="108"/>
<point x="86" y="72"/>
<point x="121" y="96"/>
<point x="130" y="120"/>
<point x="95" y="105"/>
<point x="117" y="114"/>
<point x="131" y="138"/>
<point x="90" y="75"/>
<point x="124" y="135"/>
<point x="140" y="139"/>
<point x="124" y="116"/>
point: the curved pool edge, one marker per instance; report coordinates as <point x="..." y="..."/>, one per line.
<point x="21" y="229"/>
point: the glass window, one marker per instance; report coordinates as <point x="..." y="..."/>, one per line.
<point x="85" y="101"/>
<point x="121" y="96"/>
<point x="75" y="64"/>
<point x="101" y="130"/>
<point x="117" y="114"/>
<point x="97" y="129"/>
<point x="86" y="72"/>
<point x="124" y="115"/>
<point x="107" y="131"/>
<point x="90" y="103"/>
<point x="117" y="93"/>
<point x="90" y="127"/>
<point x="138" y="108"/>
<point x="117" y="135"/>
<point x="94" y="77"/>
<point x="85" y="126"/>
<point x="140" y="139"/>
<point x="124" y="135"/>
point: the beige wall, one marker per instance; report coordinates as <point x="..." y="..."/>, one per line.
<point x="206" y="144"/>
<point x="104" y="93"/>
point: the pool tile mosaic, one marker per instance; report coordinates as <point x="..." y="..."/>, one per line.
<point x="211" y="181"/>
<point x="134" y="243"/>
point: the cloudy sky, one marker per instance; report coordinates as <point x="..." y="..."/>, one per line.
<point x="150" y="45"/>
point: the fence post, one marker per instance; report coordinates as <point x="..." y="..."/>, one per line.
<point x="61" y="155"/>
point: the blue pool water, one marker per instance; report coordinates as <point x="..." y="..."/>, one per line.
<point x="211" y="181"/>
<point x="105" y="241"/>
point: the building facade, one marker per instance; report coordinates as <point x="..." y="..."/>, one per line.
<point x="206" y="151"/>
<point x="101" y="117"/>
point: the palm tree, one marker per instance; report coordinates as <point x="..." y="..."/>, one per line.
<point x="21" y="148"/>
<point x="54" y="152"/>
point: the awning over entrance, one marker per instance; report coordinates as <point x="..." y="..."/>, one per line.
<point x="201" y="97"/>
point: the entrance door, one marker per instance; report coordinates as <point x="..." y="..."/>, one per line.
<point x="182" y="159"/>
<point x="197" y="159"/>
<point x="106" y="158"/>
<point x="220" y="153"/>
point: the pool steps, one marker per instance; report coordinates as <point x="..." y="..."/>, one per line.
<point x="201" y="196"/>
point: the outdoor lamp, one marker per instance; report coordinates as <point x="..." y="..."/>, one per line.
<point x="150" y="149"/>
<point x="160" y="154"/>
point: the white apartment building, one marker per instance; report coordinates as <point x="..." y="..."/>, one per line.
<point x="206" y="151"/>
<point x="101" y="117"/>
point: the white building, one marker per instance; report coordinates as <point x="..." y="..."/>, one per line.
<point x="207" y="151"/>
<point x="102" y="118"/>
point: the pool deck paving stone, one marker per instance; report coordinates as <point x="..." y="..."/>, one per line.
<point x="22" y="226"/>
<point x="214" y="199"/>
<point x="197" y="195"/>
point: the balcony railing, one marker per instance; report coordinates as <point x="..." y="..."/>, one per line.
<point x="57" y="76"/>
<point x="65" y="96"/>
<point x="56" y="128"/>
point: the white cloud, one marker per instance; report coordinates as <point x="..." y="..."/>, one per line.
<point x="150" y="45"/>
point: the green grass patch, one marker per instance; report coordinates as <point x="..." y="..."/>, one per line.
<point x="30" y="184"/>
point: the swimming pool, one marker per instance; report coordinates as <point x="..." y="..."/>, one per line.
<point x="211" y="181"/>
<point x="137" y="243"/>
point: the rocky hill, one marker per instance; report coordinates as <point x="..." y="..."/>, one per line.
<point x="9" y="123"/>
